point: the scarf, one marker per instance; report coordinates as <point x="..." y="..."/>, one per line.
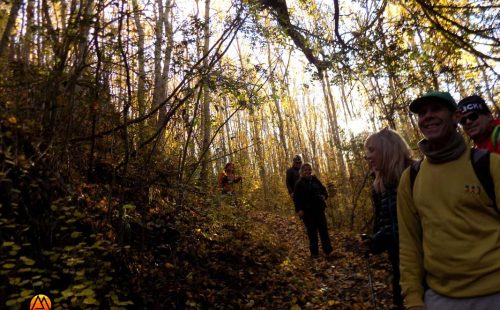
<point x="449" y="152"/>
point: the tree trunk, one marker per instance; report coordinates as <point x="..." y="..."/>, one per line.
<point x="158" y="83"/>
<point x="128" y="98"/>
<point x="140" y="59"/>
<point x="170" y="45"/>
<point x="229" y="138"/>
<point x="163" y="25"/>
<point x="275" y="97"/>
<point x="260" y="158"/>
<point x="335" y="128"/>
<point x="14" y="9"/>
<point x="141" y="83"/>
<point x="28" y="36"/>
<point x="206" y="115"/>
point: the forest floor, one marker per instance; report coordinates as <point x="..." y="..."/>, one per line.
<point x="200" y="254"/>
<point x="340" y="281"/>
<point x="243" y="258"/>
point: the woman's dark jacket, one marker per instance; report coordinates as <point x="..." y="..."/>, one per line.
<point x="385" y="230"/>
<point x="292" y="176"/>
<point x="307" y="195"/>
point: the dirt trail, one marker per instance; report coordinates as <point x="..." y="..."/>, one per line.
<point x="337" y="282"/>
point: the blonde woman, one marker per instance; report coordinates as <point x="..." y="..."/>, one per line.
<point x="388" y="155"/>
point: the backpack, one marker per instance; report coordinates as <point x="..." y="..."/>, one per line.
<point x="480" y="160"/>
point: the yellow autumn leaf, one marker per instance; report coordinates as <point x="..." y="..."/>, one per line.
<point x="12" y="120"/>
<point x="75" y="234"/>
<point x="27" y="261"/>
<point x="90" y="301"/>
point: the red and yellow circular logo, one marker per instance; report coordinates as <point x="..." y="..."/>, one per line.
<point x="40" y="302"/>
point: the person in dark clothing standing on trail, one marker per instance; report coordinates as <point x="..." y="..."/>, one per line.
<point x="388" y="155"/>
<point x="293" y="174"/>
<point x="309" y="196"/>
<point x="479" y="124"/>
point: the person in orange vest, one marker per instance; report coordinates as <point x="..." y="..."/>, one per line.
<point x="479" y="124"/>
<point x="227" y="179"/>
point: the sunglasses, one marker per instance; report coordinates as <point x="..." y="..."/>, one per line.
<point x="472" y="117"/>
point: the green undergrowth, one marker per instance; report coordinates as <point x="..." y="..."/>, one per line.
<point x="59" y="254"/>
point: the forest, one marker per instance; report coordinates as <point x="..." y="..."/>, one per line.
<point x="117" y="117"/>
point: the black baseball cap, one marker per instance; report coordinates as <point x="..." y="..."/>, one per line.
<point x="473" y="103"/>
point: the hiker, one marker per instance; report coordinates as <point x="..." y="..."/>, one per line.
<point x="388" y="155"/>
<point x="309" y="196"/>
<point x="449" y="233"/>
<point x="479" y="124"/>
<point x="227" y="179"/>
<point x="293" y="174"/>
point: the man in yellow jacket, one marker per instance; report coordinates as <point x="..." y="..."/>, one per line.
<point x="448" y="232"/>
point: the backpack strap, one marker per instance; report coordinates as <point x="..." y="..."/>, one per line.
<point x="414" y="169"/>
<point x="481" y="163"/>
<point x="495" y="137"/>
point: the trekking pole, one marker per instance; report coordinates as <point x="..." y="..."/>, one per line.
<point x="368" y="268"/>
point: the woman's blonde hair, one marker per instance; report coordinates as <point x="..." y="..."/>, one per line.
<point x="395" y="156"/>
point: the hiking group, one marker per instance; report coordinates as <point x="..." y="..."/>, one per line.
<point x="437" y="218"/>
